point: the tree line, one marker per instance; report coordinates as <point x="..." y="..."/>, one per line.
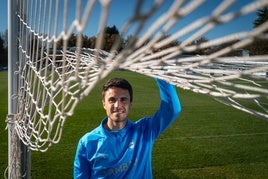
<point x="3" y="50"/>
<point x="111" y="34"/>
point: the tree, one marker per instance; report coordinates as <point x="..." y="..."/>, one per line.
<point x="86" y="41"/>
<point x="93" y="41"/>
<point x="111" y="30"/>
<point x="3" y="52"/>
<point x="72" y="40"/>
<point x="130" y="40"/>
<point x="259" y="47"/>
<point x="1" y="45"/>
<point x="198" y="42"/>
<point x="262" y="17"/>
<point x="110" y="37"/>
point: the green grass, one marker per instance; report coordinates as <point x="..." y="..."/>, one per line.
<point x="208" y="140"/>
<point x="3" y="113"/>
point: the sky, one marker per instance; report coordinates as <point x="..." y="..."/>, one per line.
<point x="121" y="10"/>
<point x="3" y="15"/>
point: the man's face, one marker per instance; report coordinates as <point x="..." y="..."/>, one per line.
<point x="117" y="104"/>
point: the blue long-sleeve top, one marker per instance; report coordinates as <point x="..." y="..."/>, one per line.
<point x="126" y="153"/>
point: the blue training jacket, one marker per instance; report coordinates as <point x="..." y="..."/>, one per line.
<point x="126" y="153"/>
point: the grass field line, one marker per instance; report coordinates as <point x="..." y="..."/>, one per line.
<point x="215" y="136"/>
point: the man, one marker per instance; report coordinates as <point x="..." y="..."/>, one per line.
<point x="119" y="148"/>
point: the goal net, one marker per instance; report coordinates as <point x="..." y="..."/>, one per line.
<point x="57" y="68"/>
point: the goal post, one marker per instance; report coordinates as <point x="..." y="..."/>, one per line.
<point x="19" y="155"/>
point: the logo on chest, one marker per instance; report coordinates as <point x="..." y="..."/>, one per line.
<point x="131" y="145"/>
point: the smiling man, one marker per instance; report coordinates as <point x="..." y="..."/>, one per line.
<point x="119" y="148"/>
<point x="116" y="101"/>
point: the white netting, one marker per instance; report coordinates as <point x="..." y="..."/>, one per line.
<point x="53" y="80"/>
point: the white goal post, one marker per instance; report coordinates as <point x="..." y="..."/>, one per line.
<point x="48" y="78"/>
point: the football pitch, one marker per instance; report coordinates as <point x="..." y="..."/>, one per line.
<point x="208" y="140"/>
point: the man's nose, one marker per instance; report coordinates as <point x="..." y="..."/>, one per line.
<point x="117" y="103"/>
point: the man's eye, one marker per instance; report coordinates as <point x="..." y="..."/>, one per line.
<point x="124" y="99"/>
<point x="112" y="100"/>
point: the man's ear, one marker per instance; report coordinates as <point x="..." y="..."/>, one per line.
<point x="103" y="103"/>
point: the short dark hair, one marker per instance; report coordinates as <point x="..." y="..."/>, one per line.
<point x="119" y="83"/>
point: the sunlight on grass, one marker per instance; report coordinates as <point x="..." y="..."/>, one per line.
<point x="252" y="170"/>
<point x="208" y="140"/>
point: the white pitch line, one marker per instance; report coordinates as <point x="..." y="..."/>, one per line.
<point x="215" y="136"/>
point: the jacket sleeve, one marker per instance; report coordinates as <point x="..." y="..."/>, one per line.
<point x="81" y="165"/>
<point x="169" y="109"/>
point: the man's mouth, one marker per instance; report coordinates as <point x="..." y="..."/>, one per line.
<point x="118" y="111"/>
